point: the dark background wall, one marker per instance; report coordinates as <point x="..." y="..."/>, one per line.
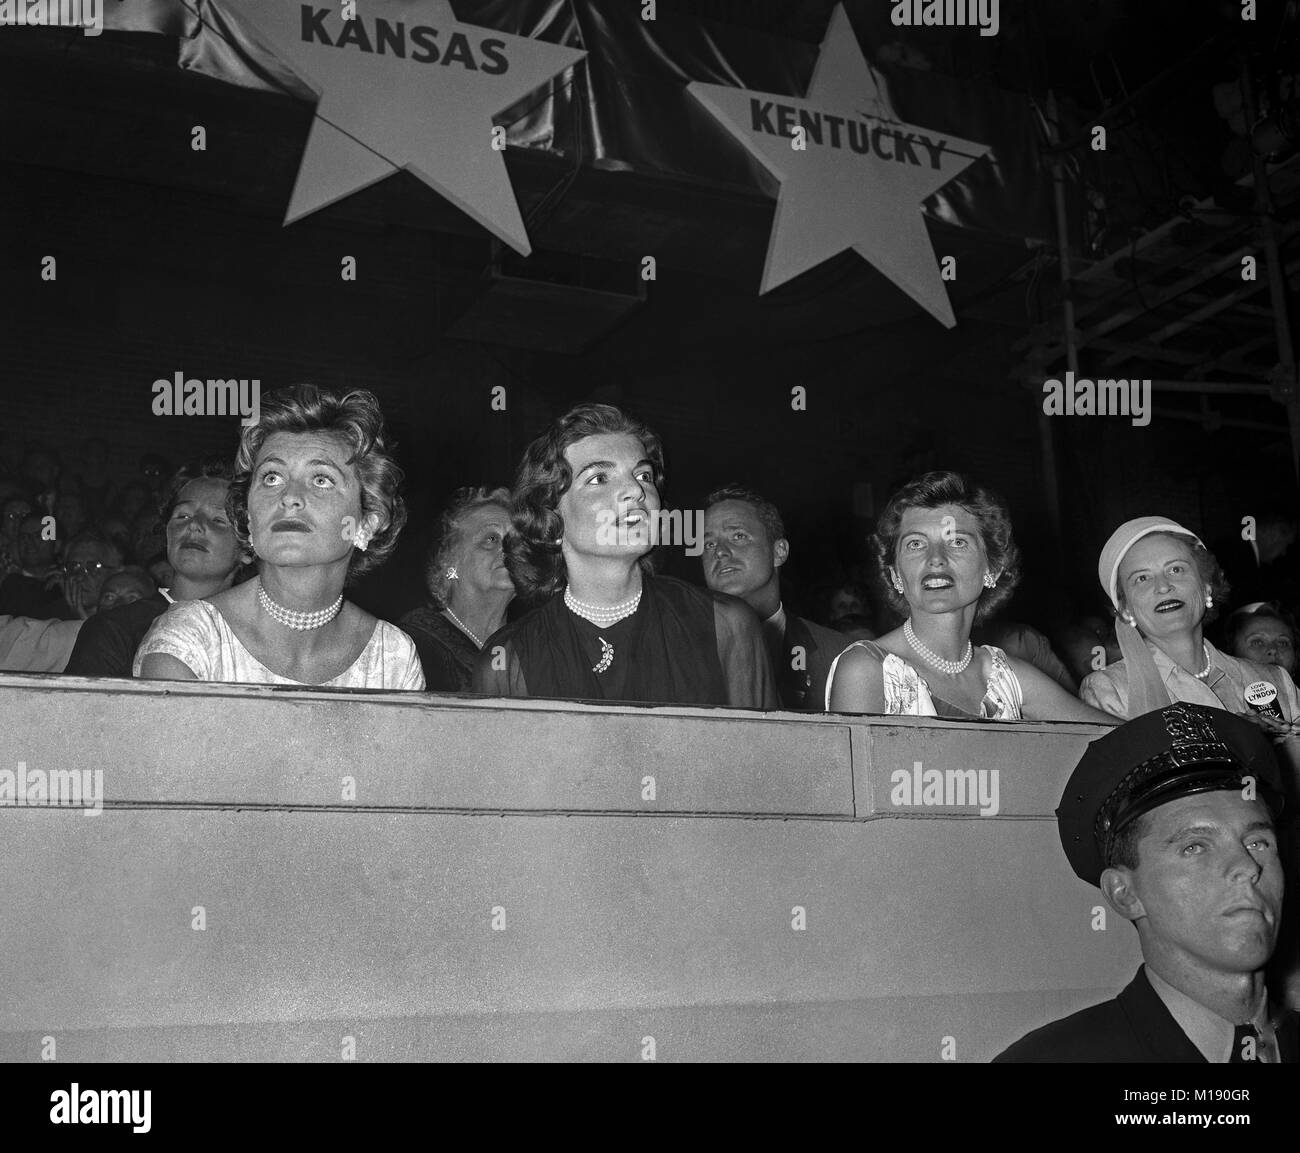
<point x="171" y="260"/>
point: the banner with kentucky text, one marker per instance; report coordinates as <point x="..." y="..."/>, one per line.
<point x="627" y="105"/>
<point x="415" y="84"/>
<point x="853" y="175"/>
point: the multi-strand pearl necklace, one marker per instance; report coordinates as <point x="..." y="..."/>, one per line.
<point x="291" y="618"/>
<point x="952" y="668"/>
<point x="601" y="615"/>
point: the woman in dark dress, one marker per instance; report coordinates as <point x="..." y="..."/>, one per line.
<point x="585" y="515"/>
<point x="469" y="589"/>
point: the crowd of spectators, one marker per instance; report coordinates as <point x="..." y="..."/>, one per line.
<point x="78" y="540"/>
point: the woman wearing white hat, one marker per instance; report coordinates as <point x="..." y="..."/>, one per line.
<point x="1165" y="585"/>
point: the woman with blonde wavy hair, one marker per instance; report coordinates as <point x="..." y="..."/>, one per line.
<point x="315" y="498"/>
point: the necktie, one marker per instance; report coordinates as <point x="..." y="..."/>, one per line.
<point x="1245" y="1045"/>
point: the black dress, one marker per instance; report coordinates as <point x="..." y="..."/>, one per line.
<point x="446" y="653"/>
<point x="684" y="645"/>
<point x="107" y="642"/>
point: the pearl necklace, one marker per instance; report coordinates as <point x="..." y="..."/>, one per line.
<point x="1205" y="672"/>
<point x="469" y="632"/>
<point x="600" y="614"/>
<point x="952" y="668"/>
<point x="293" y="619"/>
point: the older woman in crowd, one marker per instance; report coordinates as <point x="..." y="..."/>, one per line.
<point x="315" y="498"/>
<point x="91" y="558"/>
<point x="1166" y="586"/>
<point x="586" y="498"/>
<point x="947" y="559"/>
<point x="1262" y="632"/>
<point x="205" y="558"/>
<point x="469" y="586"/>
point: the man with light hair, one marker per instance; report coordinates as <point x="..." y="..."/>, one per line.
<point x="744" y="548"/>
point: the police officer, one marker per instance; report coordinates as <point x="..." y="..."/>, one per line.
<point x="1174" y="817"/>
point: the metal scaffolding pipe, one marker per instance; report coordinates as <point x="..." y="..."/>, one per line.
<point x="1276" y="281"/>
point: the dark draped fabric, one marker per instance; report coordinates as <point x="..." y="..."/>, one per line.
<point x="625" y="107"/>
<point x="446" y="654"/>
<point x="24" y="596"/>
<point x="684" y="645"/>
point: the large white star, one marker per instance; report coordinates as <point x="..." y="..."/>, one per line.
<point x="859" y="186"/>
<point x="417" y="93"/>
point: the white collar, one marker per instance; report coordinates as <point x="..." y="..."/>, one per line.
<point x="777" y="620"/>
<point x="167" y="596"/>
<point x="1209" y="1032"/>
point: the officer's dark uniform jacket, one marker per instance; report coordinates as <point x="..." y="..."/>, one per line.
<point x="1133" y="1027"/>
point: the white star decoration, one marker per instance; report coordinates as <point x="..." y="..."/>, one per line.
<point x="860" y="181"/>
<point x="407" y="87"/>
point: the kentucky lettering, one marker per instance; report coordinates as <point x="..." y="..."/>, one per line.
<point x="862" y="136"/>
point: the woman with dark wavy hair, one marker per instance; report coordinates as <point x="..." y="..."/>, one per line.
<point x="946" y="557"/>
<point x="1166" y="586"/>
<point x="315" y="499"/>
<point x="469" y="588"/>
<point x="587" y="499"/>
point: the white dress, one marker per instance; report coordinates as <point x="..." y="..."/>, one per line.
<point x="908" y="695"/>
<point x="196" y="634"/>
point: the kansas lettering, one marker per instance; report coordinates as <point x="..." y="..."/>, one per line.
<point x="419" y="42"/>
<point x="866" y="137"/>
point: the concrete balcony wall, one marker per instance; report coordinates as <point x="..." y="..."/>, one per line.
<point x="365" y="909"/>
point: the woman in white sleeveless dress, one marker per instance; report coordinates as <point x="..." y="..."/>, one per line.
<point x="947" y="558"/>
<point x="315" y="498"/>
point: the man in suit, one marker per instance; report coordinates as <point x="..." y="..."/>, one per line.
<point x="1173" y="816"/>
<point x="744" y="549"/>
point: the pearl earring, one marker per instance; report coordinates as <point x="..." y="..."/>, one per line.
<point x="898" y="584"/>
<point x="1209" y="600"/>
<point x="1128" y="619"/>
